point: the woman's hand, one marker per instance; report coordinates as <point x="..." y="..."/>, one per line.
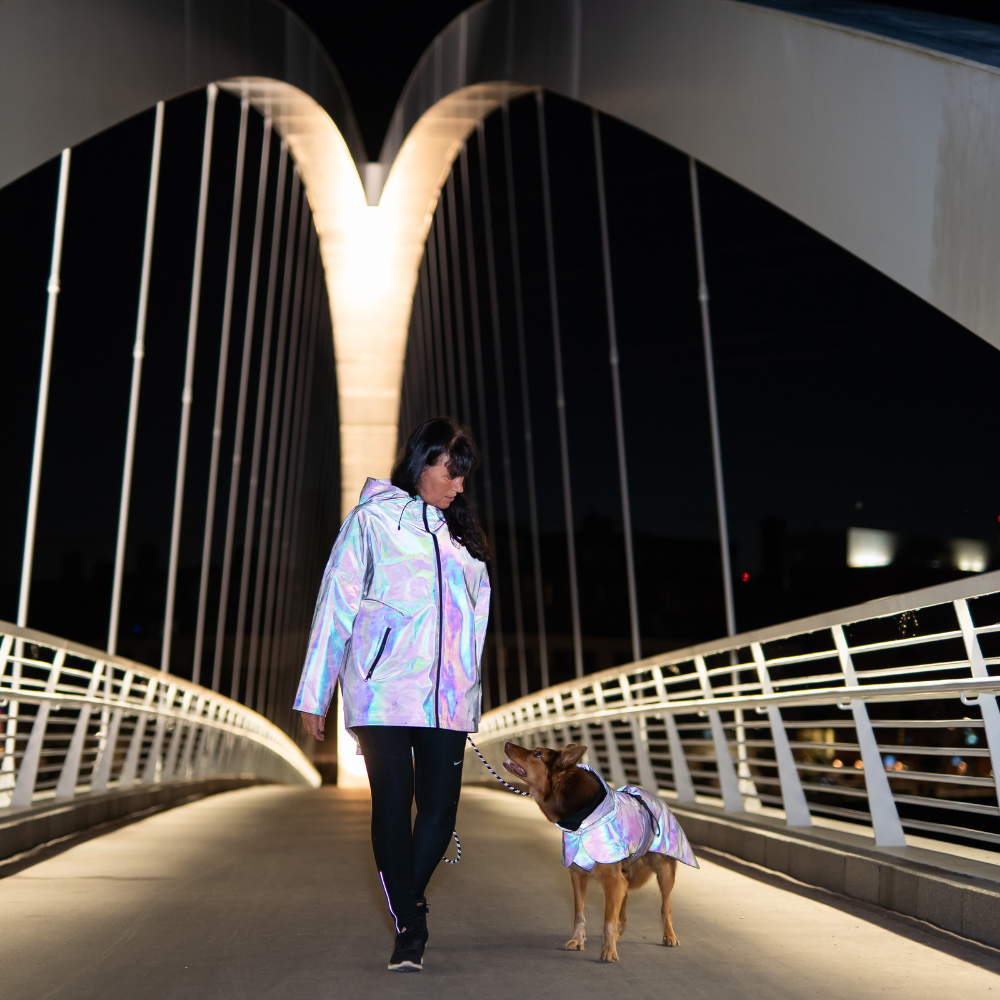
<point x="314" y="725"/>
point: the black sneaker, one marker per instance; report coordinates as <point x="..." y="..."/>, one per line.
<point x="421" y="927"/>
<point x="408" y="954"/>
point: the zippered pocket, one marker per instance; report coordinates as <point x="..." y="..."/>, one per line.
<point x="378" y="655"/>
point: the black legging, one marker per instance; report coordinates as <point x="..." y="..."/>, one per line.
<point x="433" y="770"/>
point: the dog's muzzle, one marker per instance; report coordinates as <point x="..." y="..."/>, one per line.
<point x="513" y="768"/>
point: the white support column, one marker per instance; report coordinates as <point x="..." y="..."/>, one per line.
<point x="616" y="391"/>
<point x="42" y="409"/>
<point x="138" y="353"/>
<point x="792" y="796"/>
<point x="256" y="637"/>
<point x="881" y="805"/>
<point x="987" y="703"/>
<point x="280" y="482"/>
<point x="713" y="406"/>
<point x="258" y="434"/>
<point x="498" y="370"/>
<point x="187" y="393"/>
<point x="574" y="593"/>
<point x="27" y="773"/>
<point x="220" y="394"/>
<point x="496" y="607"/>
<point x="729" y="784"/>
<point x="522" y="357"/>
<point x="241" y="409"/>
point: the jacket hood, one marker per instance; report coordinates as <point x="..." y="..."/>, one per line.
<point x="399" y="502"/>
<point x="382" y="489"/>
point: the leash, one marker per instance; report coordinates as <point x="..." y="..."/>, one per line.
<point x="458" y="845"/>
<point x="509" y="787"/>
<point x="649" y="812"/>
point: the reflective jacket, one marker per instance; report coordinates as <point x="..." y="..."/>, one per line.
<point x="627" y="823"/>
<point x="400" y="619"/>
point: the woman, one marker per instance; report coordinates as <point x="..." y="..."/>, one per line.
<point x="400" y="621"/>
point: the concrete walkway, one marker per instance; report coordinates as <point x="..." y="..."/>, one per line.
<point x="271" y="893"/>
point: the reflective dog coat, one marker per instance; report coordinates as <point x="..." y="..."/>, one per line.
<point x="629" y="822"/>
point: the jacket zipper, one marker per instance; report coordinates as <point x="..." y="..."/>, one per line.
<point x="378" y="655"/>
<point x="437" y="678"/>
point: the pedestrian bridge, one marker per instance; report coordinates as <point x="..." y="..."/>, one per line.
<point x="835" y="773"/>
<point x="264" y="889"/>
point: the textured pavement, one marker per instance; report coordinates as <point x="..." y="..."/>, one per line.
<point x="271" y="892"/>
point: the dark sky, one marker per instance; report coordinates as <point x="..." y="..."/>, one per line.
<point x="375" y="45"/>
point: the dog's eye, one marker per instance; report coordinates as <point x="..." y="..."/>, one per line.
<point x="538" y="753"/>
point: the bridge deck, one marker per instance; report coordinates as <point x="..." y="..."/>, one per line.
<point x="270" y="892"/>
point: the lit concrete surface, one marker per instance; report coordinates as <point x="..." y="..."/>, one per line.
<point x="270" y="893"/>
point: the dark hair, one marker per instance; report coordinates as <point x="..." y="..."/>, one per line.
<point x="428" y="442"/>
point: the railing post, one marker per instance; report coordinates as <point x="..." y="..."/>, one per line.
<point x="683" y="784"/>
<point x="131" y="766"/>
<point x="128" y="772"/>
<point x="615" y="768"/>
<point x="207" y="747"/>
<point x="729" y="783"/>
<point x="881" y="805"/>
<point x="103" y="775"/>
<point x="792" y="796"/>
<point x="170" y="761"/>
<point x="27" y="774"/>
<point x="7" y="768"/>
<point x="193" y="731"/>
<point x="70" y="773"/>
<point x="987" y="703"/>
<point x="149" y="771"/>
<point x="647" y="776"/>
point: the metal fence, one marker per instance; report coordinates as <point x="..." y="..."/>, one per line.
<point x="75" y="720"/>
<point x="883" y="714"/>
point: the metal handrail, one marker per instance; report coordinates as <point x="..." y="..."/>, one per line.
<point x="97" y="721"/>
<point x="652" y="719"/>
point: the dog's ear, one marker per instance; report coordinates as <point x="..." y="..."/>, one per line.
<point x="569" y="756"/>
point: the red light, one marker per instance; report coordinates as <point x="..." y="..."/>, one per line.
<point x="746" y="577"/>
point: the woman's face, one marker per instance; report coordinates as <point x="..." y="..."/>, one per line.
<point x="438" y="486"/>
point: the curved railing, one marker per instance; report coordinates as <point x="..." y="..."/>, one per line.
<point x="884" y="713"/>
<point x="76" y="720"/>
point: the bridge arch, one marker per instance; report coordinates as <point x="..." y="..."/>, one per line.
<point x="862" y="130"/>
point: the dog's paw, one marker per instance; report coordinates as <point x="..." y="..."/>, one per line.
<point x="575" y="944"/>
<point x="671" y="941"/>
<point x="609" y="953"/>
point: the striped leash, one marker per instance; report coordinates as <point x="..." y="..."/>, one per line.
<point x="509" y="787"/>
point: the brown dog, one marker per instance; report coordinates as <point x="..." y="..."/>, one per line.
<point x="563" y="790"/>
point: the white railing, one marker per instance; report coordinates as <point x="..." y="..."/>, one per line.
<point x="884" y="713"/>
<point x="75" y="720"/>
